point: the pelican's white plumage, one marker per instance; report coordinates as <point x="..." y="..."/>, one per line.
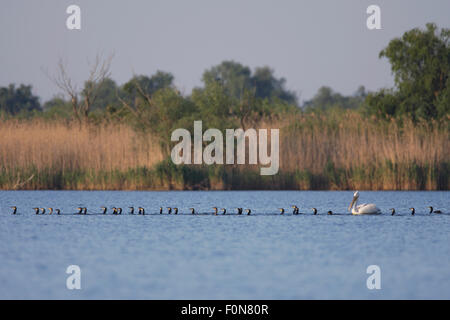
<point x="365" y="208"/>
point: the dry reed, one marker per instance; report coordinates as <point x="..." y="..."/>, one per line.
<point x="316" y="152"/>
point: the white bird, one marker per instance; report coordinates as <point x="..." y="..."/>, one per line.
<point x="365" y="208"/>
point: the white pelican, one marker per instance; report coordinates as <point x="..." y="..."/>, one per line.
<point x="364" y="208"/>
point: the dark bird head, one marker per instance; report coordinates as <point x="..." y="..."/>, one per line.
<point x="330" y="212"/>
<point x="314" y="211"/>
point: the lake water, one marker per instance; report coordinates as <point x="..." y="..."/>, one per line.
<point x="262" y="256"/>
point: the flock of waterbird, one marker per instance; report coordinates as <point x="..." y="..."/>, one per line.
<point x="363" y="209"/>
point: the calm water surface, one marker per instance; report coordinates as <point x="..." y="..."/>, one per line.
<point x="263" y="256"/>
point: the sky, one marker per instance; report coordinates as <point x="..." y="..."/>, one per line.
<point x="310" y="43"/>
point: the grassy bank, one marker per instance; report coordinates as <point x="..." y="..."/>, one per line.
<point x="340" y="151"/>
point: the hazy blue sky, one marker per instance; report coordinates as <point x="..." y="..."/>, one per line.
<point x="310" y="43"/>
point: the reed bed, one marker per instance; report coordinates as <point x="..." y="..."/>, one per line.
<point x="334" y="151"/>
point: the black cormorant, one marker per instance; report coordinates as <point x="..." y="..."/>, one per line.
<point x="434" y="211"/>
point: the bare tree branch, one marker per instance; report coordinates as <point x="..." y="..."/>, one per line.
<point x="98" y="72"/>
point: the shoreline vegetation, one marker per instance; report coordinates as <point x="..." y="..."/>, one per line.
<point x="106" y="136"/>
<point x="343" y="151"/>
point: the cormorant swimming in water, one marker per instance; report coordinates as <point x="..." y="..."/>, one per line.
<point x="413" y="211"/>
<point x="160" y="210"/>
<point x="104" y="210"/>
<point x="224" y="211"/>
<point x="42" y="210"/>
<point x="36" y="210"/>
<point x="85" y="210"/>
<point x="176" y="210"/>
<point x="330" y="212"/>
<point x="50" y="210"/>
<point x="114" y="210"/>
<point x="80" y="210"/>
<point x="248" y="211"/>
<point x="239" y="210"/>
<point x="131" y="210"/>
<point x="14" y="210"/>
<point x="58" y="212"/>
<point x="392" y="211"/>
<point x="296" y="210"/>
<point x="314" y="211"/>
<point x="170" y="210"/>
<point x="192" y="210"/>
<point x="435" y="211"/>
<point x="281" y="211"/>
<point x="215" y="211"/>
<point x="141" y="211"/>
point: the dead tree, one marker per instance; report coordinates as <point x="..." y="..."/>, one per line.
<point x="98" y="72"/>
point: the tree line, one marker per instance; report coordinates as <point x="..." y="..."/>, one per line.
<point x="233" y="94"/>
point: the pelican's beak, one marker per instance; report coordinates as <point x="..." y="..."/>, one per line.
<point x="351" y="204"/>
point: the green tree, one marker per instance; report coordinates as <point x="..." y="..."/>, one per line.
<point x="57" y="107"/>
<point x="268" y="86"/>
<point x="105" y="95"/>
<point x="15" y="100"/>
<point x="420" y="62"/>
<point x="141" y="86"/>
<point x="238" y="80"/>
<point x="326" y="98"/>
